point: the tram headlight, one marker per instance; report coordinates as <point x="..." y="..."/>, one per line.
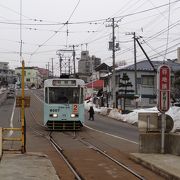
<point x="53" y="115"/>
<point x="73" y="115"/>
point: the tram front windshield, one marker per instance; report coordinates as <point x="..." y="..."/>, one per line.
<point x="64" y="95"/>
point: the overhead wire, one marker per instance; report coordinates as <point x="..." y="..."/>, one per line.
<point x="55" y="32"/>
<point x="97" y="20"/>
<point x="86" y="21"/>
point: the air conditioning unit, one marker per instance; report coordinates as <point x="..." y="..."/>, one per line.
<point x="148" y="122"/>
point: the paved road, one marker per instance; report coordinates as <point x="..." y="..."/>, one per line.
<point x="112" y="126"/>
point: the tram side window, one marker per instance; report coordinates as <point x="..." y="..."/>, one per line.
<point x="46" y="95"/>
<point x="82" y="95"/>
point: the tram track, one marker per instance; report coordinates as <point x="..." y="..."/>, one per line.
<point x="89" y="145"/>
<point x="68" y="144"/>
<point x="102" y="152"/>
<point x="66" y="160"/>
<point x="55" y="145"/>
<point x="70" y="165"/>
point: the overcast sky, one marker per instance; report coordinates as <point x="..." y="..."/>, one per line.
<point x="45" y="29"/>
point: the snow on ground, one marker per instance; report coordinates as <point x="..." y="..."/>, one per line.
<point x="132" y="117"/>
<point x="2" y="90"/>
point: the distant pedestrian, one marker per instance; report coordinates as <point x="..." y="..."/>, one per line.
<point x="91" y="113"/>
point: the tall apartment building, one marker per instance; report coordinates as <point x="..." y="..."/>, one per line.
<point x="87" y="65"/>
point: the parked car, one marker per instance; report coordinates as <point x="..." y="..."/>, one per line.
<point x="10" y="95"/>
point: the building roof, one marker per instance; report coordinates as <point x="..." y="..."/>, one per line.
<point x="43" y="71"/>
<point x="98" y="84"/>
<point x="103" y="66"/>
<point x="33" y="67"/>
<point x="146" y="66"/>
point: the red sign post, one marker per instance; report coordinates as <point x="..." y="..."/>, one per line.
<point x="164" y="86"/>
<point x="163" y="100"/>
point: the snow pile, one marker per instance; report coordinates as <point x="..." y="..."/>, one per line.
<point x="104" y="111"/>
<point x="132" y="117"/>
<point x="114" y="113"/>
<point x="174" y="112"/>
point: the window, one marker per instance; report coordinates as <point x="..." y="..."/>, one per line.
<point x="65" y="95"/>
<point x="28" y="79"/>
<point x="148" y="80"/>
<point x="138" y="80"/>
<point x="46" y="95"/>
<point x="87" y="65"/>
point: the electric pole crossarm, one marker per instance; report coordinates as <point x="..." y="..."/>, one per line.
<point x="146" y="55"/>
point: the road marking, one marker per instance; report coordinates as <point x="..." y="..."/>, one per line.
<point x="111" y="134"/>
<point x="11" y="121"/>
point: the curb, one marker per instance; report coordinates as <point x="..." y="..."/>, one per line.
<point x="153" y="167"/>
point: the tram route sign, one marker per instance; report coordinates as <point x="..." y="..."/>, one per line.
<point x="26" y="101"/>
<point x="163" y="87"/>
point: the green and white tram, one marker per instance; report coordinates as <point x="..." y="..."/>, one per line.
<point x="64" y="104"/>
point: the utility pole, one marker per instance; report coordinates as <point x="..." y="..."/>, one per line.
<point x="74" y="54"/>
<point x="60" y="60"/>
<point x="52" y="68"/>
<point x="135" y="67"/>
<point x="48" y="69"/>
<point x="113" y="73"/>
<point x="113" y="48"/>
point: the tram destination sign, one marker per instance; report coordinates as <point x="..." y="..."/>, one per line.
<point x="163" y="87"/>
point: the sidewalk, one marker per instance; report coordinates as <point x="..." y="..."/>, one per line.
<point x="29" y="166"/>
<point x="164" y="164"/>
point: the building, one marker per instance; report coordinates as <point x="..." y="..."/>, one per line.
<point x="87" y="65"/>
<point x="146" y="83"/>
<point x="7" y="76"/>
<point x="32" y="76"/>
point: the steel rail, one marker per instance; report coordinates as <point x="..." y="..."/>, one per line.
<point x="69" y="164"/>
<point x="60" y="151"/>
<point x="111" y="158"/>
<point x="56" y="146"/>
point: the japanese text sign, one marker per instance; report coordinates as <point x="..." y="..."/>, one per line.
<point x="163" y="85"/>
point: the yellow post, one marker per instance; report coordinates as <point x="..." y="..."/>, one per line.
<point x="22" y="110"/>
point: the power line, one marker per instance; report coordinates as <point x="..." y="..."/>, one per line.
<point x="56" y="31"/>
<point x="93" y="21"/>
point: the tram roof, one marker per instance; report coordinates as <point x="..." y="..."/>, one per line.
<point x="73" y="82"/>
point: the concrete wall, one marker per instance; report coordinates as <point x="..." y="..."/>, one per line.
<point x="151" y="143"/>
